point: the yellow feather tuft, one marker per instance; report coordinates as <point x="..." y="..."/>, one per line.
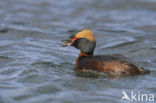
<point x="86" y="34"/>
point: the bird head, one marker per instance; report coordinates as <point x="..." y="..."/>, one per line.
<point x="83" y="40"/>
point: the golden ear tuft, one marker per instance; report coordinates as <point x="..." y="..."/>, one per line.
<point x="86" y="34"/>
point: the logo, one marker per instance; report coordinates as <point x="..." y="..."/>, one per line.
<point x="137" y="97"/>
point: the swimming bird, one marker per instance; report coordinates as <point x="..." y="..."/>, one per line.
<point x="115" y="64"/>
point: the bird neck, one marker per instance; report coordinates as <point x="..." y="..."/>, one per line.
<point x="81" y="55"/>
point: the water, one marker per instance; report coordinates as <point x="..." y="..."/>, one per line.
<point x="35" y="69"/>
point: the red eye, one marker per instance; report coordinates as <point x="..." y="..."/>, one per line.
<point x="75" y="38"/>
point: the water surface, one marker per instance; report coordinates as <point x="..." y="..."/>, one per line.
<point x="35" y="69"/>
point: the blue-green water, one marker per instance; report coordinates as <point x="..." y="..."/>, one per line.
<point x="35" y="69"/>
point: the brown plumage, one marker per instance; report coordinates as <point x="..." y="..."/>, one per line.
<point x="110" y="64"/>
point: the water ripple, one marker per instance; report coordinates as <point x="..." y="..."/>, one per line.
<point x="34" y="68"/>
